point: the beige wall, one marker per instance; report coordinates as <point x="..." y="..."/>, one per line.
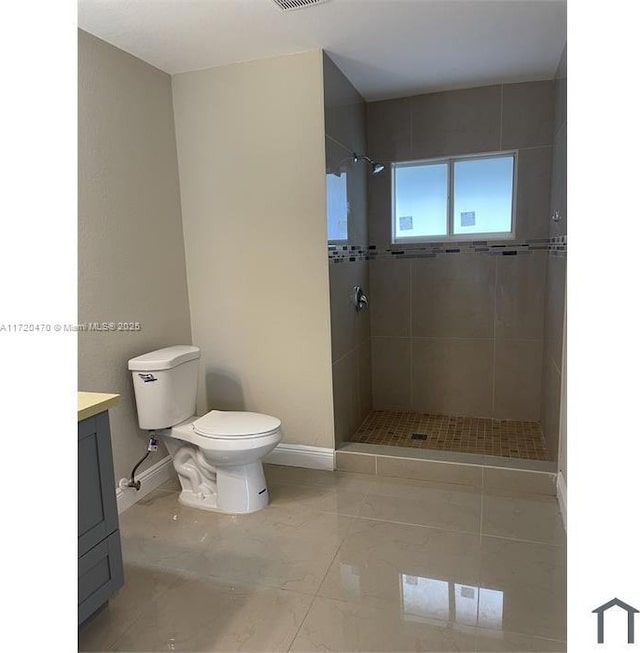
<point x="251" y="161"/>
<point x="131" y="251"/>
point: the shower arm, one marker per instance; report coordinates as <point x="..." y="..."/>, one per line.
<point x="376" y="166"/>
<point x="357" y="157"/>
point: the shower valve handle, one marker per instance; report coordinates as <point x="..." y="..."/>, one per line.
<point x="360" y="299"/>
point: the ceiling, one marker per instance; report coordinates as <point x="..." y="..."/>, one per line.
<point x="387" y="48"/>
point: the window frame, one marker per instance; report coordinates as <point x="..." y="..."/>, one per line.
<point x="450" y="236"/>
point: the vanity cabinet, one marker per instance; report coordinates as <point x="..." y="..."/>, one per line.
<point x="99" y="552"/>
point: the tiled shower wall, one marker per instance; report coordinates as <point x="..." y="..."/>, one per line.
<point x="461" y="332"/>
<point x="552" y="376"/>
<point x="345" y="133"/>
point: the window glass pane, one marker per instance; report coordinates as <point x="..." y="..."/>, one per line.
<point x="466" y="602"/>
<point x="420" y="200"/>
<point x="337" y="207"/>
<point x="490" y="608"/>
<point x="424" y="598"/>
<point x="482" y="192"/>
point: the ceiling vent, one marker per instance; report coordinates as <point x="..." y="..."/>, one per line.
<point x="290" y="5"/>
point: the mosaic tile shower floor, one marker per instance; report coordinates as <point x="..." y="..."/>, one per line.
<point x="488" y="437"/>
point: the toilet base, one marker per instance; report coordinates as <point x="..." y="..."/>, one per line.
<point x="210" y="478"/>
<point x="239" y="490"/>
<point x="242" y="488"/>
<point x="198" y="500"/>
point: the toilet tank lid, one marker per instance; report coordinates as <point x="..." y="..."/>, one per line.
<point x="164" y="359"/>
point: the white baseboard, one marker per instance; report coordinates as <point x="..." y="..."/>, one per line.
<point x="150" y="479"/>
<point x="291" y="455"/>
<point x="301" y="455"/>
<point x="561" y="489"/>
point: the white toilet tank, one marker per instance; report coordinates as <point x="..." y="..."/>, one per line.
<point x="165" y="382"/>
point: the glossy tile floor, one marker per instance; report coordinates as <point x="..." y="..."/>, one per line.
<point x="487" y="437"/>
<point x="341" y="562"/>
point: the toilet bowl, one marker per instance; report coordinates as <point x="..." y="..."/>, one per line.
<point x="218" y="456"/>
<point x="218" y="459"/>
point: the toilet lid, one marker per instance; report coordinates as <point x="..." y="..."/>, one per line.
<point x="231" y="424"/>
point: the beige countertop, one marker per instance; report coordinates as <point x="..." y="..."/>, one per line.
<point x="92" y="403"/>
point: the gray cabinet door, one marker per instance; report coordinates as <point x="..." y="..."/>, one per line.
<point x="97" y="509"/>
<point x="99" y="575"/>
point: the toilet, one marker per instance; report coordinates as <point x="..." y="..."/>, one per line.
<point x="218" y="457"/>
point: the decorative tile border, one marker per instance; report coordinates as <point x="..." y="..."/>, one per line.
<point x="556" y="246"/>
<point x="347" y="253"/>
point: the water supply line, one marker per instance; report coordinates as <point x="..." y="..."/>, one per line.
<point x="151" y="447"/>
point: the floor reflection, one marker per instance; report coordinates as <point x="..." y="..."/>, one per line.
<point x="350" y="578"/>
<point x="426" y="599"/>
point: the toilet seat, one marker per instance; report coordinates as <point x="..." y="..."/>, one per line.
<point x="234" y="425"/>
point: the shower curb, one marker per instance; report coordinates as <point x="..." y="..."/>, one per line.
<point x="486" y="472"/>
<point x="301" y="455"/>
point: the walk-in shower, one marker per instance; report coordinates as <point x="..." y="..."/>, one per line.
<point x="460" y="349"/>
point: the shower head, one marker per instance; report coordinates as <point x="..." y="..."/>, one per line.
<point x="376" y="167"/>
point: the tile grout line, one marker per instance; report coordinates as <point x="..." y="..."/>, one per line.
<point x="341" y="358"/>
<point x="493" y="367"/>
<point x="306" y="614"/>
<point x="315" y="595"/>
<point x="411" y="127"/>
<point x="527" y="635"/>
<point x="434" y="527"/>
<point x="523" y="541"/>
<point x="411" y="393"/>
<point x="482" y="492"/>
<point x="501" y="114"/>
<point x="482" y="507"/>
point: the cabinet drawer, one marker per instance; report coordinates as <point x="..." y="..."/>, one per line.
<point x="99" y="575"/>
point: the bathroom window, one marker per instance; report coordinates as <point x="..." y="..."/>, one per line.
<point x="337" y="207"/>
<point x="457" y="198"/>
